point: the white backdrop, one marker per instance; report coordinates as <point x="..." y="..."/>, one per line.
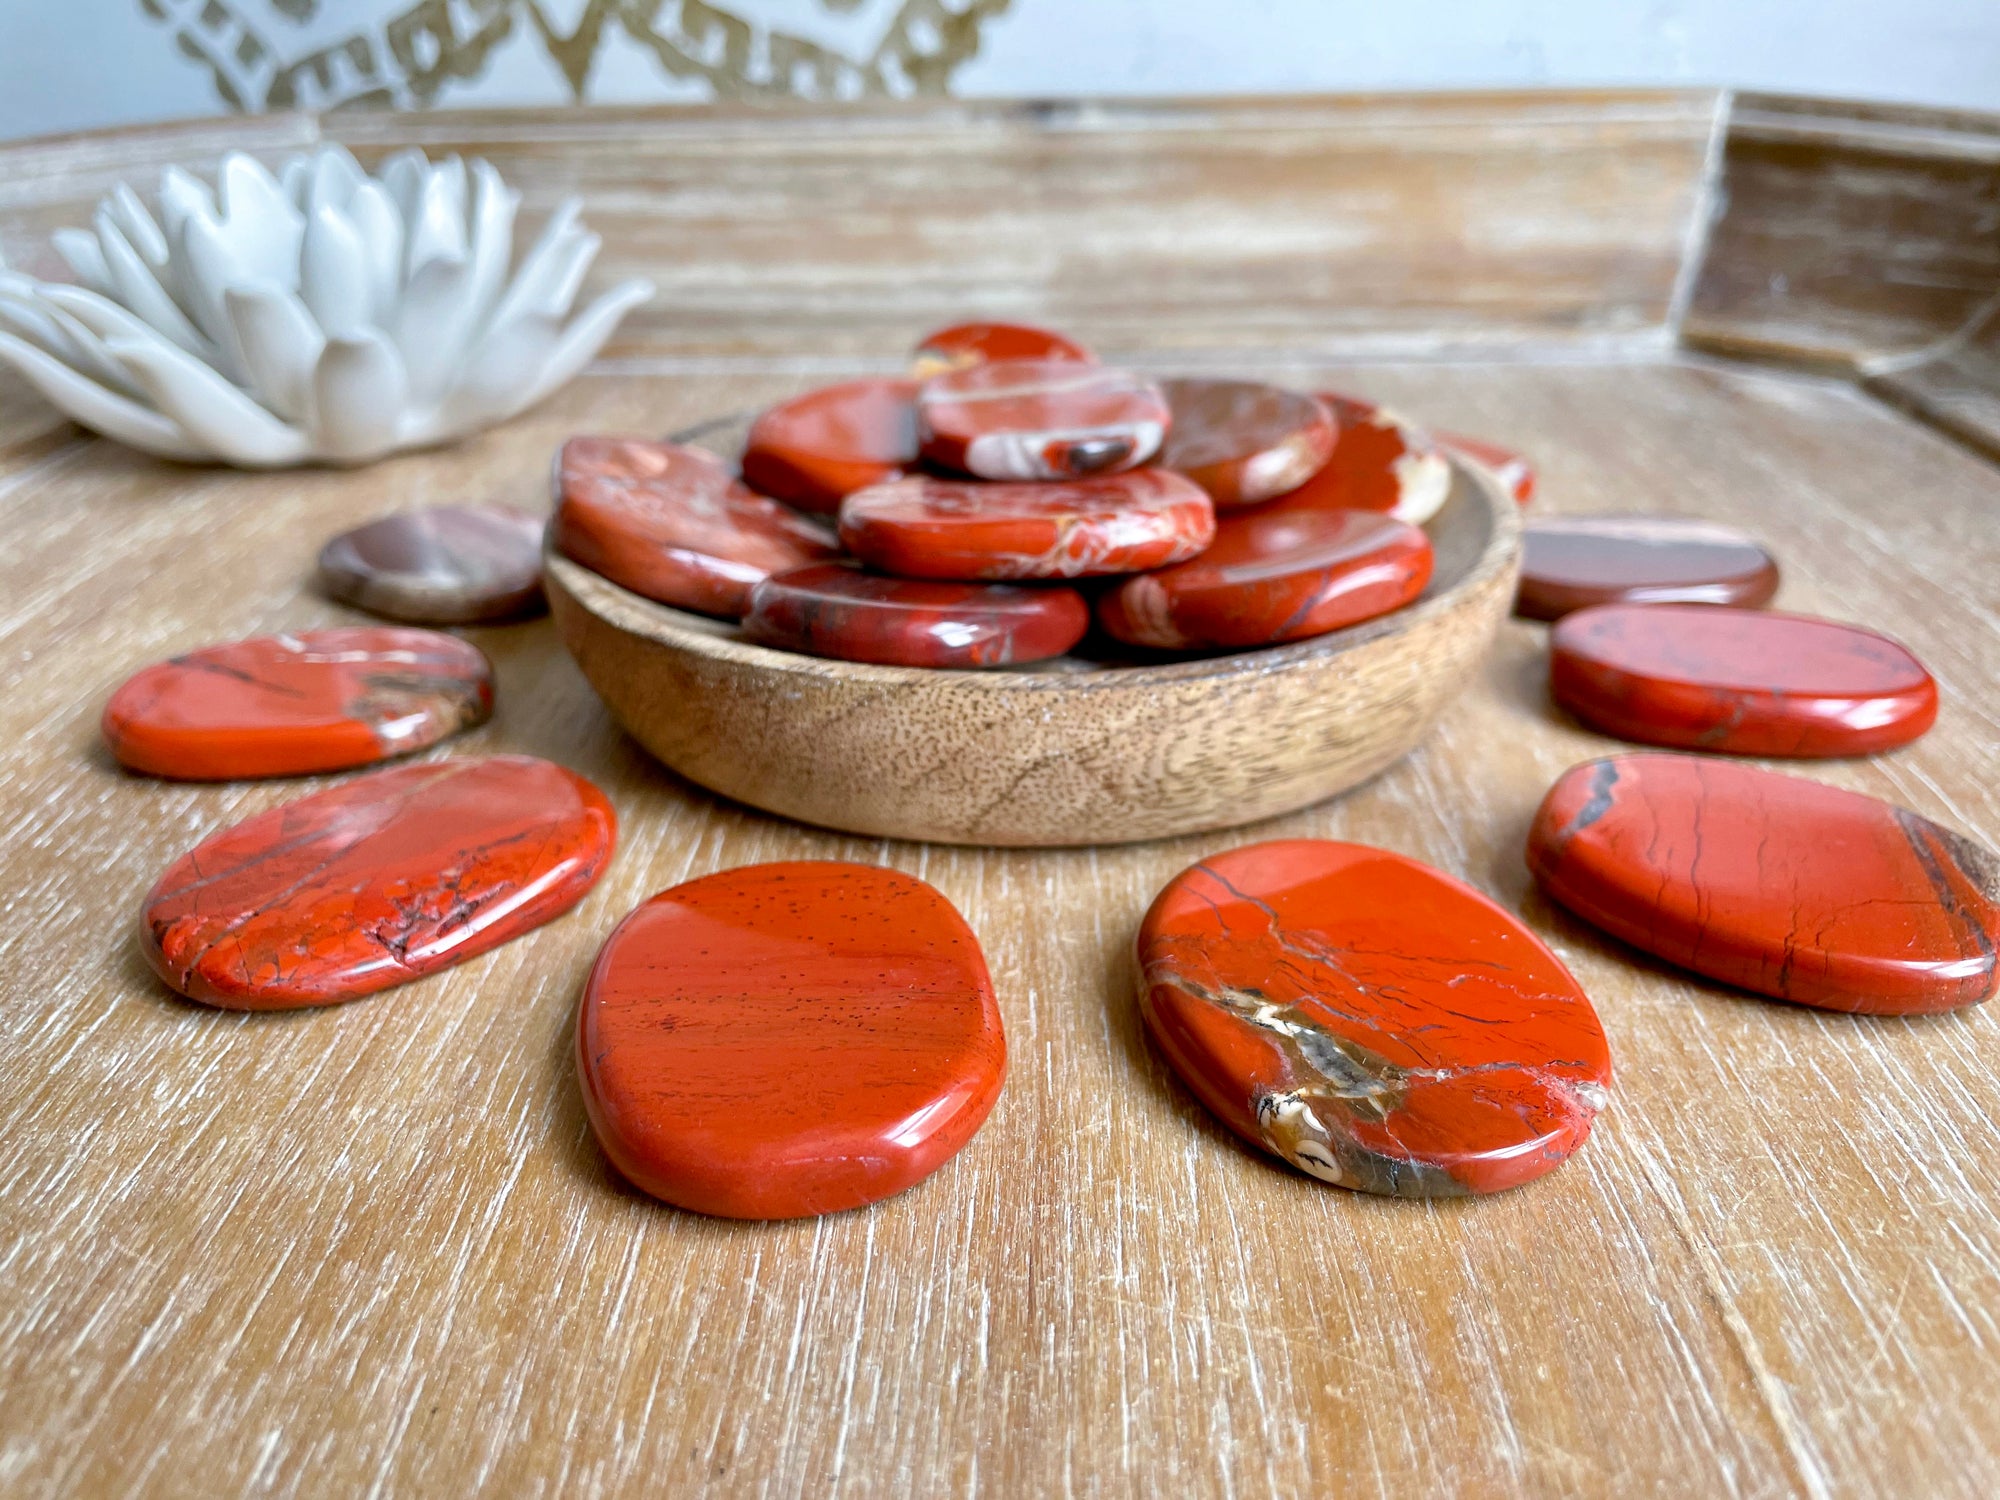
<point x="72" y="64"/>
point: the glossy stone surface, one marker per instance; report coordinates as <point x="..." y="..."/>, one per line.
<point x="1370" y="1020"/>
<point x="1572" y="562"/>
<point x="1787" y="887"/>
<point x="289" y="705"/>
<point x="376" y="881"/>
<point x="817" y="449"/>
<point x="449" y="565"/>
<point x="1077" y="528"/>
<point x="1742" y="681"/>
<point x="835" y="609"/>
<point x="1040" y="419"/>
<point x="1380" y="462"/>
<point x="965" y="344"/>
<point x="789" y="1039"/>
<point x="1515" y="473"/>
<point x="1273" y="574"/>
<point x="1244" y="441"/>
<point x="672" y="523"/>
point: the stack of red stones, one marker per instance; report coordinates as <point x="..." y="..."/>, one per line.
<point x="984" y="510"/>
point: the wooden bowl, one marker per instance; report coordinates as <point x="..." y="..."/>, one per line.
<point x="1065" y="752"/>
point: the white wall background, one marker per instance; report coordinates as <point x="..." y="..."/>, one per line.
<point x="74" y="64"/>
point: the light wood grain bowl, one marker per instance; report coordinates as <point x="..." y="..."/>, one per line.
<point x="1071" y="752"/>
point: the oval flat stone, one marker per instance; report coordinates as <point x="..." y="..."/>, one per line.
<point x="1040" y="419"/>
<point x="1379" y="462"/>
<point x="448" y="565"/>
<point x="290" y="705"/>
<point x="1077" y="528"/>
<point x="1787" y="887"/>
<point x="964" y="344"/>
<point x="815" y="450"/>
<point x="835" y="609"/>
<point x="1572" y="562"/>
<point x="376" y="881"/>
<point x="1743" y="681"/>
<point x="673" y="524"/>
<point x="1370" y="1020"/>
<point x="1512" y="470"/>
<point x="1273" y="574"/>
<point x="789" y="1039"/>
<point x="1244" y="441"/>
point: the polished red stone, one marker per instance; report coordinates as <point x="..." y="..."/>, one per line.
<point x="1380" y="462"/>
<point x="376" y="881"/>
<point x="1573" y="562"/>
<point x="788" y="1039"/>
<point x="674" y="524"/>
<point x="1244" y="441"/>
<point x="966" y="344"/>
<point x="1040" y="419"/>
<point x="1273" y="574"/>
<point x="835" y="609"/>
<point x="1076" y="528"/>
<point x="289" y="705"/>
<point x="447" y="565"/>
<point x="1515" y="474"/>
<point x="815" y="450"/>
<point x="1776" y="884"/>
<point x="1370" y="1020"/>
<point x="1743" y="681"/>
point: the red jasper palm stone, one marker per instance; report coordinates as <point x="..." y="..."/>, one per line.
<point x="1077" y="528"/>
<point x="673" y="524"/>
<point x="1742" y="681"/>
<point x="1370" y="1020"/>
<point x="1380" y="462"/>
<point x="836" y="610"/>
<point x="445" y="565"/>
<point x="1244" y="441"/>
<point x="1573" y="562"/>
<point x="1787" y="887"/>
<point x="965" y="344"/>
<point x="290" y="705"/>
<point x="817" y="449"/>
<point x="376" y="882"/>
<point x="789" y="1039"/>
<point x="1040" y="419"/>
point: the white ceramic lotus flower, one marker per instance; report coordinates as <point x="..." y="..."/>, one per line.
<point x="321" y="316"/>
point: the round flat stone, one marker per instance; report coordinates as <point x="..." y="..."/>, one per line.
<point x="375" y="882"/>
<point x="966" y="344"/>
<point x="789" y="1039"/>
<point x="1040" y="419"/>
<point x="1380" y="462"/>
<point x="1244" y="441"/>
<point x="1513" y="471"/>
<point x="448" y="565"/>
<point x="673" y="524"/>
<point x="1572" y="562"/>
<point x="817" y="449"/>
<point x="1076" y="528"/>
<point x="1273" y="574"/>
<point x="1742" y="681"/>
<point x="835" y="609"/>
<point x="1370" y="1020"/>
<point x="290" y="705"/>
<point x="1787" y="887"/>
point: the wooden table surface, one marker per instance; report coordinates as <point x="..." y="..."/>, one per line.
<point x="375" y="1250"/>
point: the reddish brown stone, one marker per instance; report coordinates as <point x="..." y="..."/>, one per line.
<point x="448" y="565"/>
<point x="1244" y="441"/>
<point x="1380" y="462"/>
<point x="788" y="1039"/>
<point x="673" y="524"/>
<point x="1704" y="677"/>
<point x="1783" y="886"/>
<point x="835" y="609"/>
<point x="376" y="881"/>
<point x="1574" y="562"/>
<point x="1513" y="471"/>
<point x="817" y="449"/>
<point x="1273" y="574"/>
<point x="289" y="705"/>
<point x="1370" y="1020"/>
<point x="1077" y="528"/>
<point x="1040" y="419"/>
<point x="965" y="344"/>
